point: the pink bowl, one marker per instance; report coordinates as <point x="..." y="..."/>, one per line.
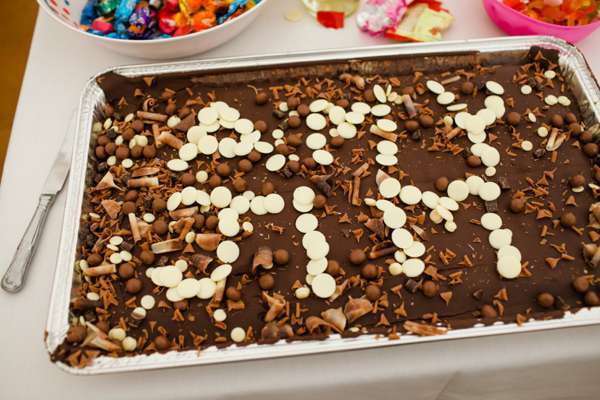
<point x="516" y="24"/>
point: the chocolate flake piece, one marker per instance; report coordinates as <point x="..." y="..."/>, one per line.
<point x="167" y="246"/>
<point x="356" y="308"/>
<point x="272" y="330"/>
<point x="503" y="183"/>
<point x="539" y="153"/>
<point x="336" y="317"/>
<point x="491" y="206"/>
<point x="412" y="286"/>
<point x="422" y="330"/>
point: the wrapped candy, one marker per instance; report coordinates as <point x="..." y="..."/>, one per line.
<point x="88" y="14"/>
<point x="123" y="12"/>
<point x="103" y="25"/>
<point x="424" y="21"/>
<point x="141" y="22"/>
<point x="377" y="16"/>
<point x="105" y="7"/>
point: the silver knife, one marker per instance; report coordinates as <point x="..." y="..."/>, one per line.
<point x="15" y="275"/>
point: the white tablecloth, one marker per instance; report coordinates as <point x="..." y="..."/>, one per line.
<point x="560" y="364"/>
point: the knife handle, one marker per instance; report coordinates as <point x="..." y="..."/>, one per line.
<point x="15" y="275"/>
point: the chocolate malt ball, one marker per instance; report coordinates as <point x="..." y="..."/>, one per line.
<point x="467" y="88"/>
<point x="133" y="286"/>
<point x="294" y="121"/>
<point x="319" y="201"/>
<point x="441" y="184"/>
<point x="147" y="257"/>
<point x="426" y="121"/>
<point x="545" y="300"/>
<point x="245" y="165"/>
<point x="149" y="151"/>
<point x="160" y="226"/>
<point x="94" y="259"/>
<point x="126" y="271"/>
<point x="473" y="161"/>
<point x="337" y="142"/>
<point x="129" y="207"/>
<point x="161" y="343"/>
<point x="293" y="102"/>
<point x="159" y="205"/>
<point x="281" y="257"/>
<point x="76" y="334"/>
<point x="369" y="271"/>
<point x="240" y="185"/>
<point x="488" y="311"/>
<point x="211" y="222"/>
<point x="223" y="170"/>
<point x="260" y="126"/>
<point x="516" y="205"/>
<point x="581" y="284"/>
<point x="513" y="118"/>
<point x="267" y="188"/>
<point x="215" y="181"/>
<point x="591" y="299"/>
<point x="577" y="180"/>
<point x="430" y="289"/>
<point x="333" y="268"/>
<point x="188" y="179"/>
<point x="233" y="294"/>
<point x="294" y="140"/>
<point x="261" y="98"/>
<point x="568" y="220"/>
<point x="372" y="292"/>
<point x="369" y="96"/>
<point x="357" y="256"/>
<point x="266" y="281"/>
<point x="198" y="221"/>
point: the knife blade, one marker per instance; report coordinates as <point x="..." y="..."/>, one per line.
<point x="15" y="274"/>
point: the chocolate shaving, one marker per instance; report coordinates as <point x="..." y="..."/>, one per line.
<point x="276" y="306"/>
<point x="112" y="208"/>
<point x="107" y="182"/>
<point x="376" y="226"/>
<point x="422" y="330"/>
<point x="167" y="246"/>
<point x="591" y="254"/>
<point x="143" y="182"/>
<point x="263" y="257"/>
<point x="323" y="183"/>
<point x="336" y="317"/>
<point x="201" y="262"/>
<point x="272" y="330"/>
<point x="356" y="308"/>
<point x="183" y="213"/>
<point x="208" y="241"/>
<point x="382" y="249"/>
<point x="313" y="324"/>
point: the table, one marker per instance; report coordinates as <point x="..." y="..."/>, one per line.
<point x="560" y="364"/>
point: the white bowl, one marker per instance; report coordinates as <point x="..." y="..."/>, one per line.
<point x="68" y="13"/>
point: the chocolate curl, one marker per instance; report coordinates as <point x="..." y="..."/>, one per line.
<point x="262" y="257"/>
<point x="156" y="134"/>
<point x="555" y="140"/>
<point x="361" y="170"/>
<point x="376" y="226"/>
<point x="143" y="182"/>
<point x="422" y="330"/>
<point x="450" y="135"/>
<point x="276" y="306"/>
<point x="85" y="304"/>
<point x="410" y="107"/>
<point x="421" y="232"/>
<point x="323" y="183"/>
<point x="106" y="234"/>
<point x="355" y="199"/>
<point x="145" y="171"/>
<point x="152" y="116"/>
<point x="135" y="230"/>
<point x="272" y="330"/>
<point x="339" y="289"/>
<point x="169" y="139"/>
<point x="375" y="130"/>
<point x="184" y="213"/>
<point x="103" y="269"/>
<point x="336" y="317"/>
<point x="208" y="241"/>
<point x="357" y="80"/>
<point x="594" y="216"/>
<point x="591" y="254"/>
<point x="201" y="262"/>
<point x="382" y="249"/>
<point x="112" y="208"/>
<point x="188" y="223"/>
<point x="219" y="291"/>
<point x="380" y="177"/>
<point x="314" y="323"/>
<point x="143" y="226"/>
<point x="356" y="308"/>
<point x="107" y="182"/>
<point x="99" y="339"/>
<point x="167" y="246"/>
<point x="186" y="123"/>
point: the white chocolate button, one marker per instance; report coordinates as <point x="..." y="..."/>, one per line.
<point x="526" y="89"/>
<point x="201" y="176"/>
<point x="264" y="147"/>
<point x="306" y="223"/>
<point x="244" y="126"/>
<point x="551" y="100"/>
<point x="316" y="141"/>
<point x="170" y="276"/>
<point x="475" y="124"/>
<point x="229" y="227"/>
<point x="274" y="203"/>
<point x="564" y="101"/>
<point x="208" y="145"/>
<point x="177" y="165"/>
<point x="194" y="134"/>
<point x="174" y="201"/>
<point x="148" y="302"/>
<point x="448" y="203"/>
<point x="387" y="125"/>
<point x="323" y="157"/>
<point x="457" y="107"/>
<point x="416" y="250"/>
<point x="500" y="238"/>
<point x="445" y="98"/>
<point x="354" y="118"/>
<point x="400" y="256"/>
<point x="387" y="147"/>
<point x="275" y="162"/>
<point x="188" y="288"/>
<point x="450" y="226"/>
<point x="226" y="147"/>
<point x="402" y="238"/>
<point x="243" y="148"/>
<point x="302" y="293"/>
<point x="461" y="118"/>
<point x="229" y="114"/>
<point x="474" y="182"/>
<point x="458" y="190"/>
<point x="347" y="130"/>
<point x="487" y="115"/>
<point x="361" y="108"/>
<point x="337" y="115"/>
<point x="489" y="191"/>
<point x="389" y="187"/>
<point x="228" y="213"/>
<point x="303" y="208"/>
<point x="323" y="285"/>
<point x="444" y="213"/>
<point x="318" y="105"/>
<point x="238" y="334"/>
<point x="494" y="87"/>
<point x="550" y="74"/>
<point x="155" y="277"/>
<point x="219" y="315"/>
<point x="228" y="251"/>
<point x="316" y="122"/>
<point x="509" y="251"/>
<point x="435" y="87"/>
<point x="317" y="250"/>
<point x="221" y="272"/>
<point x="188" y="151"/>
<point x="387" y="161"/>
<point x="207" y="288"/>
<point x="208" y="116"/>
<point x="203" y="198"/>
<point x="380" y="110"/>
<point x="395" y="269"/>
<point x="490" y="171"/>
<point x="526" y="145"/>
<point x="430" y="199"/>
<point x="379" y="93"/>
<point x="189" y="195"/>
<point x="509" y="267"/>
<point x="241" y="204"/>
<point x="490" y="157"/>
<point x="384" y="205"/>
<point x="413" y="267"/>
<point x="182" y="265"/>
<point x="491" y="221"/>
<point x="394" y="217"/>
<point x="410" y="195"/>
<point x="304" y="195"/>
<point x="316" y="267"/>
<point x="312" y="236"/>
<point x="220" y="197"/>
<point x="478" y="148"/>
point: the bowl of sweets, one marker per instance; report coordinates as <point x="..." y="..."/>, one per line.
<point x="571" y="20"/>
<point x="155" y="29"/>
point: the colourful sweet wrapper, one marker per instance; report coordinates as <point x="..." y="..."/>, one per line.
<point x="331" y="19"/>
<point x="377" y="16"/>
<point x="424" y="21"/>
<point x="105" y="7"/>
<point x="88" y="14"/>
